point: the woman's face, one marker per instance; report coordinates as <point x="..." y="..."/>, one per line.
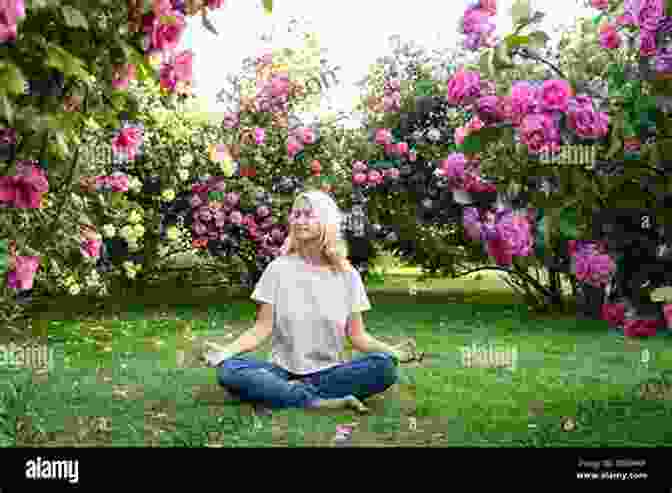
<point x="305" y="221"/>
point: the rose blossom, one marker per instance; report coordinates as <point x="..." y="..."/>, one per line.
<point x="463" y="86"/>
<point x="537" y="130"/>
<point x="555" y="95"/>
<point x="359" y="167"/>
<point x="609" y="37"/>
<point x="588" y="123"/>
<point x="359" y="178"/>
<point x="383" y="136"/>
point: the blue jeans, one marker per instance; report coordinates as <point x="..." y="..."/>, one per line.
<point x="269" y="385"/>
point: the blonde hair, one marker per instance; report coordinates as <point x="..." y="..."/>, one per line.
<point x="330" y="217"/>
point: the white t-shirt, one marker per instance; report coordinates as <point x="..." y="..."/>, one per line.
<point x="311" y="308"/>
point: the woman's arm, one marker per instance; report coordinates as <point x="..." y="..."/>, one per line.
<point x="248" y="340"/>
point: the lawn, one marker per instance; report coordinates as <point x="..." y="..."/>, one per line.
<point x="129" y="378"/>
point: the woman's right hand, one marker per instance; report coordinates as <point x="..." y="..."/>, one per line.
<point x="215" y="354"/>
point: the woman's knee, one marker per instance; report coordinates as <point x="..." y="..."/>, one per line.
<point x="229" y="370"/>
<point x="385" y="367"/>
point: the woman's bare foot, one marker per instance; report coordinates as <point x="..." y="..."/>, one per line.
<point x="349" y="402"/>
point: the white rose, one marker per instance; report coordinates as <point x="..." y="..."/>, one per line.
<point x="138" y="230"/>
<point x="187" y="160"/>
<point x="74" y="289"/>
<point x="135" y="184"/>
<point x="70" y="280"/>
<point x="183" y="174"/>
<point x="134" y="217"/>
<point x="109" y="230"/>
<point x="168" y="195"/>
<point x="172" y="233"/>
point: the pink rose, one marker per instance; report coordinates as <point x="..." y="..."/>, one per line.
<point x="383" y="136"/>
<point x="10" y="12"/>
<point x="614" y="313"/>
<point x="24" y="190"/>
<point x="537" y="130"/>
<point x="647" y="43"/>
<point x="393" y="173"/>
<point x="500" y="251"/>
<point x="127" y="141"/>
<point x="236" y="217"/>
<point x="555" y="95"/>
<point x="232" y="198"/>
<point x="454" y="167"/>
<point x="195" y="201"/>
<point x="359" y="178"/>
<point x="489" y="6"/>
<point x="640" y="328"/>
<point x="263" y="211"/>
<point x="162" y="8"/>
<point x="460" y="134"/>
<point x="600" y="4"/>
<point x="259" y="135"/>
<point x="625" y="20"/>
<point x="474" y="124"/>
<point x="667" y="312"/>
<point x="216" y="4"/>
<point x="390" y="149"/>
<point x="358" y="167"/>
<point x="650" y="14"/>
<point x="118" y="182"/>
<point x="91" y="248"/>
<point x="293" y="147"/>
<point x="374" y="177"/>
<point x="307" y="136"/>
<point x="402" y="148"/>
<point x="166" y="37"/>
<point x="588" y="123"/>
<point x="464" y="86"/>
<point x="23" y="274"/>
<point x="523" y="100"/>
<point x="609" y="37"/>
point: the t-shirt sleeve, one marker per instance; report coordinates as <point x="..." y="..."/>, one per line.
<point x="265" y="289"/>
<point x="360" y="300"/>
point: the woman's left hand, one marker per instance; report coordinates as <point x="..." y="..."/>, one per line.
<point x="407" y="352"/>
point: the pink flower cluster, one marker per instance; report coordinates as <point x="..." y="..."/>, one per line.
<point x="361" y="175"/>
<point x="177" y="73"/>
<point x="10" y="13"/>
<point x="298" y="138"/>
<point x="24" y="191"/>
<point x="392" y="95"/>
<point x="463" y="174"/>
<point x="590" y="265"/>
<point x="584" y="120"/>
<point x="127" y="142"/>
<point x="23" y="274"/>
<point x="90" y="247"/>
<point x="116" y="182"/>
<point x="464" y="87"/>
<point x="506" y="233"/>
<point x="273" y="94"/>
<point x="383" y="136"/>
<point x="210" y="219"/>
<point x="476" y="25"/>
<point x="645" y="14"/>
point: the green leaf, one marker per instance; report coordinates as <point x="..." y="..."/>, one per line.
<point x="4" y="256"/>
<point x="216" y="196"/>
<point x="568" y="223"/>
<point x="62" y="60"/>
<point x="538" y="39"/>
<point x="514" y="40"/>
<point x="6" y="109"/>
<point x="12" y="80"/>
<point x="540" y="227"/>
<point x="74" y="18"/>
<point x="268" y="6"/>
<point x="501" y="58"/>
<point x="598" y="19"/>
<point x="424" y="87"/>
<point x="478" y="141"/>
<point x="521" y="11"/>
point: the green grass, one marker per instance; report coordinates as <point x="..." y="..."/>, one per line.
<point x="130" y="379"/>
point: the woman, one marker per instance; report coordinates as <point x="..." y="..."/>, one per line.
<point x="310" y="298"/>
